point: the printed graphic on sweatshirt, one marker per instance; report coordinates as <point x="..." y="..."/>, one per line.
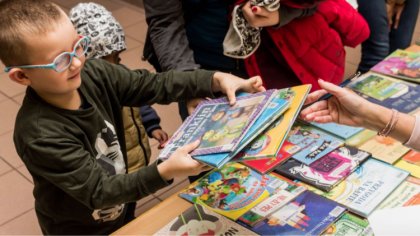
<point x="111" y="159"/>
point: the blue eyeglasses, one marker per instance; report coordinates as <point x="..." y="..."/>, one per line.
<point x="62" y="61"/>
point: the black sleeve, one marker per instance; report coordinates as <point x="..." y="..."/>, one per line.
<point x="287" y="14"/>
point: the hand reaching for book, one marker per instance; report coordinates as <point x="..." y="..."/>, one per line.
<point x="181" y="164"/>
<point x="229" y="84"/>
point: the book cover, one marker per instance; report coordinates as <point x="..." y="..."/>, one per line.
<point x="277" y="133"/>
<point x="350" y="224"/>
<point x="197" y="220"/>
<point x="326" y="172"/>
<point x="218" y="125"/>
<point x="308" y="214"/>
<point x="264" y="165"/>
<point x="313" y="142"/>
<point x="412" y="157"/>
<point x="407" y="194"/>
<point x="385" y="149"/>
<point x="388" y="92"/>
<point x="400" y="64"/>
<point x="342" y="131"/>
<point x="363" y="190"/>
<point x="286" y="192"/>
<point x="360" y="138"/>
<point x="407" y="166"/>
<point x="230" y="191"/>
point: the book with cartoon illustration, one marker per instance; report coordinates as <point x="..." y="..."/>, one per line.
<point x="401" y="64"/>
<point x="328" y="171"/>
<point x="307" y="214"/>
<point x="407" y="194"/>
<point x="314" y="143"/>
<point x="264" y="165"/>
<point x="232" y="190"/>
<point x="385" y="149"/>
<point x="349" y="224"/>
<point x="363" y="190"/>
<point x="286" y="192"/>
<point x="387" y="92"/>
<point x="198" y="220"/>
<point x="268" y="143"/>
<point x="218" y="125"/>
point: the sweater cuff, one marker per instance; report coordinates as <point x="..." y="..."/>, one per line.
<point x="414" y="141"/>
<point x="152" y="176"/>
<point x="151" y="127"/>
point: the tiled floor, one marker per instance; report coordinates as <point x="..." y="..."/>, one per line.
<point x="17" y="203"/>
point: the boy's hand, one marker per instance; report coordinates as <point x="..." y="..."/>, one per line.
<point x="161" y="136"/>
<point x="229" y="84"/>
<point x="192" y="104"/>
<point x="181" y="164"/>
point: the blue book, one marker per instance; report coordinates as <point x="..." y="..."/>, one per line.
<point x="308" y="214"/>
<point x="314" y="143"/>
<point x="342" y="131"/>
<point x="273" y="110"/>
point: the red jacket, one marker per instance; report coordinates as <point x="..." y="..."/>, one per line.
<point x="313" y="46"/>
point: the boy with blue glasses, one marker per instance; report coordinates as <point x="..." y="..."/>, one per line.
<point x="69" y="130"/>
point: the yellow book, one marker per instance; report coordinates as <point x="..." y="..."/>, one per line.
<point x="385" y="149"/>
<point x="413" y="169"/>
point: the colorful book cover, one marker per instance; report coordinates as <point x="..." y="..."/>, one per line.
<point x="326" y="172"/>
<point x="342" y="131"/>
<point x="407" y="194"/>
<point x="407" y="166"/>
<point x="197" y="220"/>
<point x="363" y="190"/>
<point x="265" y="165"/>
<point x="401" y="64"/>
<point x="388" y="92"/>
<point x="308" y="214"/>
<point x="349" y="224"/>
<point x="232" y="190"/>
<point x="360" y="138"/>
<point x="385" y="149"/>
<point x="218" y="125"/>
<point x="286" y="192"/>
<point x="313" y="142"/>
<point x="412" y="157"/>
<point x="277" y="133"/>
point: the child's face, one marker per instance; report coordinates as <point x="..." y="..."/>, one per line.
<point x="43" y="50"/>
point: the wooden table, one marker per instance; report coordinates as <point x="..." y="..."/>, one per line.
<point x="154" y="219"/>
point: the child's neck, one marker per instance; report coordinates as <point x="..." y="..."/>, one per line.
<point x="70" y="101"/>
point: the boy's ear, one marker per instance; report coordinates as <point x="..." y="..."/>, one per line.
<point x="17" y="75"/>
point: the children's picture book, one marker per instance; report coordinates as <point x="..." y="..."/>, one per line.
<point x="232" y="190"/>
<point x="363" y="190"/>
<point x="342" y="131"/>
<point x="269" y="143"/>
<point x="218" y="125"/>
<point x="307" y="214"/>
<point x="349" y="224"/>
<point x="385" y="149"/>
<point x="387" y="92"/>
<point x="197" y="220"/>
<point x="314" y="143"/>
<point x="401" y="64"/>
<point x="264" y="165"/>
<point x="360" y="138"/>
<point x="407" y="194"/>
<point x="407" y="166"/>
<point x="412" y="157"/>
<point x="328" y="171"/>
<point x="286" y="192"/>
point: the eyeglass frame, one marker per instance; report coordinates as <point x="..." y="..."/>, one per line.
<point x="53" y="64"/>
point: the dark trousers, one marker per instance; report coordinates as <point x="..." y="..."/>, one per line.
<point x="383" y="40"/>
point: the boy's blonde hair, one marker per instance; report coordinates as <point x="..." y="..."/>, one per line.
<point x="20" y="19"/>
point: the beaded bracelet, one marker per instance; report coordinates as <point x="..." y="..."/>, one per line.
<point x="391" y="124"/>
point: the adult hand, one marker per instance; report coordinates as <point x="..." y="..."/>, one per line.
<point x="344" y="107"/>
<point x="181" y="164"/>
<point x="229" y="84"/>
<point x="161" y="136"/>
<point x="260" y="16"/>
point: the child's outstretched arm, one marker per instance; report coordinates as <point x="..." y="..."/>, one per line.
<point x="229" y="84"/>
<point x="181" y="164"/>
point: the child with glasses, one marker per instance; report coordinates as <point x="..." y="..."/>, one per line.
<point x="69" y="129"/>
